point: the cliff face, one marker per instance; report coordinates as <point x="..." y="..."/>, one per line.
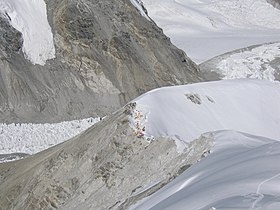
<point x="106" y="54"/>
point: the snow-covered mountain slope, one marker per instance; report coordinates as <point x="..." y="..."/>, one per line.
<point x="185" y="112"/>
<point x="206" y="28"/>
<point x="30" y="18"/>
<point x="242" y="172"/>
<point x="259" y="62"/>
<point x="32" y="138"/>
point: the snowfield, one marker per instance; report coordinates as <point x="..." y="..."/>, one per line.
<point x="32" y="138"/>
<point x="30" y="18"/>
<point x="185" y="112"/>
<point x="242" y="172"/>
<point x="207" y="28"/>
<point x="256" y="62"/>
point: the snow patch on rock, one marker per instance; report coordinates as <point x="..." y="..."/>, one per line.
<point x="30" y="18"/>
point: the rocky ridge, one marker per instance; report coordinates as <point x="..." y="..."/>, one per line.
<point x="106" y="167"/>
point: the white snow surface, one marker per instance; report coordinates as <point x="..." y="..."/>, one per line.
<point x="206" y="28"/>
<point x="242" y="172"/>
<point x="185" y="112"/>
<point x="252" y="63"/>
<point x="32" y="138"/>
<point x="30" y="18"/>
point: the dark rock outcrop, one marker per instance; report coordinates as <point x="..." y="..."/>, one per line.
<point x="10" y="39"/>
<point x="106" y="55"/>
<point x="275" y="3"/>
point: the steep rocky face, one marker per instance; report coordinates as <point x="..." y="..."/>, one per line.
<point x="10" y="39"/>
<point x="275" y="3"/>
<point x="106" y="55"/>
<point x="106" y="167"/>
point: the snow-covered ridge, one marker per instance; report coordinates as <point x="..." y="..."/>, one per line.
<point x="207" y="28"/>
<point x="32" y="138"/>
<point x="185" y="112"/>
<point x="30" y="18"/>
<point x="242" y="172"/>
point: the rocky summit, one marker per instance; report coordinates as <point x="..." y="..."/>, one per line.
<point x="106" y="54"/>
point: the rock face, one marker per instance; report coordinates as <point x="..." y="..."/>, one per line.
<point x="106" y="55"/>
<point x="106" y="167"/>
<point x="275" y="3"/>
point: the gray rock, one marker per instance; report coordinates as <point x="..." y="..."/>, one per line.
<point x="275" y="3"/>
<point x="106" y="167"/>
<point x="12" y="157"/>
<point x="10" y="39"/>
<point x="106" y="55"/>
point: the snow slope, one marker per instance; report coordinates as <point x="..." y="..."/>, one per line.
<point x="30" y="18"/>
<point x="242" y="172"/>
<point x="32" y="138"/>
<point x="185" y="112"/>
<point x="206" y="28"/>
<point x="258" y="62"/>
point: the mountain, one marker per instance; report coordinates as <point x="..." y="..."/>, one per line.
<point x="255" y="62"/>
<point x="207" y="28"/>
<point x="72" y="59"/>
<point x="210" y="145"/>
<point x="137" y="150"/>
